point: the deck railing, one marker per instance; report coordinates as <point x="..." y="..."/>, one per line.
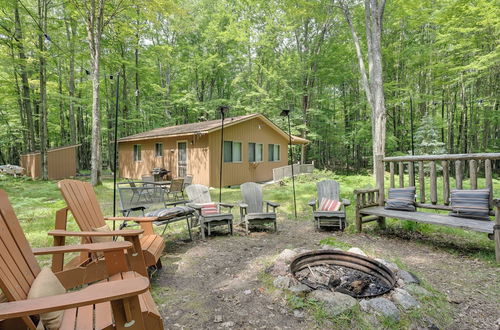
<point x="280" y="173"/>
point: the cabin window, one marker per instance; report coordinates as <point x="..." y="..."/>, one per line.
<point x="137" y="152"/>
<point x="255" y="151"/>
<point x="274" y="153"/>
<point x="232" y="152"/>
<point x="159" y="150"/>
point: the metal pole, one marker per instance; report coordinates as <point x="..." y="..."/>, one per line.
<point x="116" y="146"/>
<point x="291" y="161"/>
<point x="411" y="126"/>
<point x="221" y="152"/>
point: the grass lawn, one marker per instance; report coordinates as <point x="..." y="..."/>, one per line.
<point x="36" y="202"/>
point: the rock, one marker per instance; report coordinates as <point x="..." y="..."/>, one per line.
<point x="400" y="283"/>
<point x="404" y="299"/>
<point x="282" y="282"/>
<point x="218" y="319"/>
<point x="279" y="268"/>
<point x="298" y="314"/>
<point x="382" y="306"/>
<point x="287" y="255"/>
<point x="418" y="290"/>
<point x="300" y="290"/>
<point x="228" y="324"/>
<point x="301" y="250"/>
<point x="392" y="266"/>
<point x="329" y="247"/>
<point x="335" y="303"/>
<point x="408" y="277"/>
<point x="247" y="292"/>
<point x="357" y="251"/>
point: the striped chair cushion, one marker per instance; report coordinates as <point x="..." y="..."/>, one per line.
<point x="329" y="205"/>
<point x="472" y="204"/>
<point x="401" y="199"/>
<point x="207" y="209"/>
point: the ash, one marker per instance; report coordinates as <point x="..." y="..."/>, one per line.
<point x="342" y="279"/>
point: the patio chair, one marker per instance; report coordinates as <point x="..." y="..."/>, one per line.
<point x="209" y="214"/>
<point x="82" y="202"/>
<point x="188" y="180"/>
<point x="176" y="188"/>
<point x="251" y="209"/>
<point x="122" y="300"/>
<point x="329" y="190"/>
<point x="140" y="190"/>
<point x="165" y="212"/>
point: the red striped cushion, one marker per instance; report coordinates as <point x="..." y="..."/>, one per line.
<point x="329" y="205"/>
<point x="209" y="209"/>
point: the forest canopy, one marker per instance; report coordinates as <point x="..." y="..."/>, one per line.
<point x="179" y="60"/>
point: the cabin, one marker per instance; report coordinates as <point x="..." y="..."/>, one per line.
<point x="253" y="146"/>
<point x="61" y="163"/>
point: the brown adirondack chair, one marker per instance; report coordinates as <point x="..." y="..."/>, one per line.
<point x="82" y="202"/>
<point x="121" y="301"/>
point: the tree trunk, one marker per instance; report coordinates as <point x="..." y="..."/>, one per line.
<point x="70" y="25"/>
<point x="42" y="17"/>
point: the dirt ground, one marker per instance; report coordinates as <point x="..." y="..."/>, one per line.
<point x="215" y="283"/>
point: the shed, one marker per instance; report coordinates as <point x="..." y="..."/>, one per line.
<point x="61" y="163"/>
<point x="253" y="147"/>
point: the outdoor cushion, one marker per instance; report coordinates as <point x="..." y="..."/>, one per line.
<point x="329" y="205"/>
<point x="401" y="199"/>
<point x="470" y="203"/>
<point x="47" y="284"/>
<point x="169" y="213"/>
<point x="102" y="239"/>
<point x="207" y="209"/>
<point x="259" y="216"/>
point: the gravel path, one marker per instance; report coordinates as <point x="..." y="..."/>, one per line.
<point x="214" y="284"/>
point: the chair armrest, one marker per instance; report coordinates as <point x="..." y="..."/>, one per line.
<point x="243" y="205"/>
<point x="176" y="203"/>
<point x="128" y="232"/>
<point x="273" y="204"/>
<point x="194" y="206"/>
<point x="227" y="205"/>
<point x="312" y="202"/>
<point x="346" y="202"/>
<point x="94" y="247"/>
<point x="136" y="219"/>
<point x="93" y="294"/>
<point x="136" y="208"/>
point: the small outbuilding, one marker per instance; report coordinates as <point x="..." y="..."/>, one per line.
<point x="253" y="146"/>
<point x="61" y="163"/>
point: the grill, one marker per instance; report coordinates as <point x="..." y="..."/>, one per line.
<point x="345" y="272"/>
<point x="159" y="173"/>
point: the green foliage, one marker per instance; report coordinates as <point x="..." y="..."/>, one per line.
<point x="427" y="138"/>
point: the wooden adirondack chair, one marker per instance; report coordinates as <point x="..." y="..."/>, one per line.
<point x="337" y="219"/>
<point x="199" y="196"/>
<point x="82" y="202"/>
<point x="251" y="209"/>
<point x="121" y="301"/>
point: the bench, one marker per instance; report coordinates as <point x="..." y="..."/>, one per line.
<point x="370" y="202"/>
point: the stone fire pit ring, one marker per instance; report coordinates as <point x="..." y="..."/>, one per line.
<point x="345" y="259"/>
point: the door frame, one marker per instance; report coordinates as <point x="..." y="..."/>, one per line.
<point x="187" y="155"/>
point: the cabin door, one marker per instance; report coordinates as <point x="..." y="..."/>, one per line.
<point x="181" y="159"/>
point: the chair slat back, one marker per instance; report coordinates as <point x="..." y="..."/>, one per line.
<point x="18" y="266"/>
<point x="198" y="193"/>
<point x="82" y="202"/>
<point x="328" y="189"/>
<point x="177" y="185"/>
<point x="252" y="196"/>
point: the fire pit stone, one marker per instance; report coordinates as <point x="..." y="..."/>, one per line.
<point x="381" y="306"/>
<point x="357" y="251"/>
<point x="404" y="299"/>
<point x="335" y="302"/>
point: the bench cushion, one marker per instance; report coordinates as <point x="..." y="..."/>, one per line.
<point x="472" y="204"/>
<point x="401" y="199"/>
<point x="169" y="213"/>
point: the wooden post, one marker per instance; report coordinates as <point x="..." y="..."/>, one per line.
<point x="359" y="221"/>
<point x="489" y="179"/>
<point x="401" y="174"/>
<point x="421" y="181"/>
<point x="411" y="174"/>
<point x="458" y="174"/>
<point x="433" y="183"/>
<point x="496" y="230"/>
<point x="446" y="182"/>
<point x="391" y="169"/>
<point x="473" y="173"/>
<point x="380" y="185"/>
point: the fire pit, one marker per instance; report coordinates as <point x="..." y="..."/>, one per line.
<point x="344" y="272"/>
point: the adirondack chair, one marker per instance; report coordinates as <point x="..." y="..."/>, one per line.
<point x="337" y="219"/>
<point x="121" y="301"/>
<point x="199" y="196"/>
<point x="82" y="202"/>
<point x="251" y="209"/>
